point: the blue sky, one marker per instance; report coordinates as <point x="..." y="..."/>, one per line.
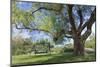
<point x="24" y="5"/>
<point x="34" y="34"/>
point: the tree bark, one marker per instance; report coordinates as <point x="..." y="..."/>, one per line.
<point x="79" y="46"/>
<point x="49" y="48"/>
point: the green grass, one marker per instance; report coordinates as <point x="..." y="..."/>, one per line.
<point x="51" y="58"/>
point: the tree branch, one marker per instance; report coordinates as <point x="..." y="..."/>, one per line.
<point x="45" y="9"/>
<point x="86" y="34"/>
<point x="81" y="18"/>
<point x="37" y="10"/>
<point x="89" y="25"/>
<point x="71" y="19"/>
<point x="68" y="36"/>
<point x="30" y="28"/>
<point x="90" y="21"/>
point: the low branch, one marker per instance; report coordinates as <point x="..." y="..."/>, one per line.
<point x="45" y="9"/>
<point x="37" y="10"/>
<point x="31" y="28"/>
<point x="68" y="36"/>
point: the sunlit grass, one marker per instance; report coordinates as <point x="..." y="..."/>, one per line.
<point x="51" y="58"/>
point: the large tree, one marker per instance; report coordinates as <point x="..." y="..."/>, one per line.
<point x="60" y="20"/>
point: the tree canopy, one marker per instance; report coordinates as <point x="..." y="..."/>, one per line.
<point x="52" y="18"/>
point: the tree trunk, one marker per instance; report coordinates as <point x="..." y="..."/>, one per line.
<point x="79" y="46"/>
<point x="34" y="49"/>
<point x="49" y="48"/>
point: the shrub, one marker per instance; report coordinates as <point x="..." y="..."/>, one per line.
<point x="66" y="49"/>
<point x="21" y="46"/>
<point x="90" y="44"/>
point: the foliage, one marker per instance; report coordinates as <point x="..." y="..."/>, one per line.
<point x="20" y="16"/>
<point x="42" y="46"/>
<point x="47" y="19"/>
<point x="91" y="43"/>
<point x="21" y="46"/>
<point x="61" y="50"/>
<point x="56" y="50"/>
<point x="66" y="49"/>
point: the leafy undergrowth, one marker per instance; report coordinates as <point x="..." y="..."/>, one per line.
<point x="51" y="58"/>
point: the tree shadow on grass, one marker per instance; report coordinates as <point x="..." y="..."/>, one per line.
<point x="66" y="58"/>
<point x="59" y="59"/>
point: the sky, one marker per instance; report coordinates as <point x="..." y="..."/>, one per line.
<point x="24" y="5"/>
<point x="35" y="35"/>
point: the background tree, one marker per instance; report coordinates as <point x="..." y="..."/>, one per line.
<point x="21" y="45"/>
<point x="91" y="42"/>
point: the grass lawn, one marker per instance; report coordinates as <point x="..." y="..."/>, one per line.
<point x="50" y="58"/>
